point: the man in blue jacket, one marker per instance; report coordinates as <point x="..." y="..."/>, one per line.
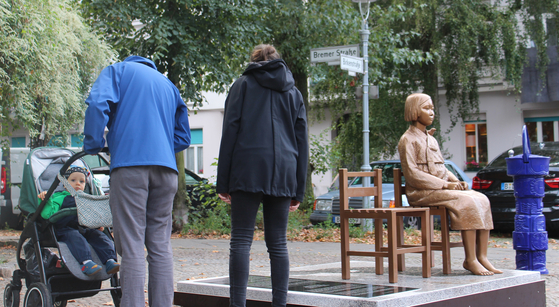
<point x="147" y="123"/>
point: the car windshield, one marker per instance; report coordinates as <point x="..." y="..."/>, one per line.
<point x="94" y="161"/>
<point x="546" y="149"/>
<point x="387" y="172"/>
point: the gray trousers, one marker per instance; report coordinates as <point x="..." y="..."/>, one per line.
<point x="141" y="199"/>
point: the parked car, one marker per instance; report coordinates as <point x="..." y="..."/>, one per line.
<point x="328" y="205"/>
<point x="494" y="182"/>
<point x="11" y="177"/>
<point x="99" y="165"/>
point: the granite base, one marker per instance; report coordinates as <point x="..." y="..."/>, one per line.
<point x="321" y="285"/>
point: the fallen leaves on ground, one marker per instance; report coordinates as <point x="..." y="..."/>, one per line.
<point x="317" y="234"/>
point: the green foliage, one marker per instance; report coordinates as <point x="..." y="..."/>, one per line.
<point x="390" y="63"/>
<point x="327" y="224"/>
<point x="48" y="60"/>
<point x="419" y="46"/>
<point x="200" y="45"/>
<point x="321" y="154"/>
<point x="212" y="216"/>
<point x="356" y="231"/>
<point x="534" y="12"/>
<point x="297" y="221"/>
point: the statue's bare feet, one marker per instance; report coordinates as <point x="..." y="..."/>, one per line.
<point x="476" y="268"/>
<point x="485" y="262"/>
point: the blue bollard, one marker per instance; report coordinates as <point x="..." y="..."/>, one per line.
<point x="529" y="237"/>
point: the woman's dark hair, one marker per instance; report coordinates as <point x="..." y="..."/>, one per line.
<point x="264" y="52"/>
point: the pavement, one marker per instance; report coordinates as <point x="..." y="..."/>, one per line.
<point x="206" y="258"/>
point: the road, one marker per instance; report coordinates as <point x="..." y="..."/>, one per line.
<point x="204" y="258"/>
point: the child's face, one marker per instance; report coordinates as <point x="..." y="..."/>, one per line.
<point x="77" y="181"/>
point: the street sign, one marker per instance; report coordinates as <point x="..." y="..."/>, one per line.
<point x="332" y="54"/>
<point x="351" y="63"/>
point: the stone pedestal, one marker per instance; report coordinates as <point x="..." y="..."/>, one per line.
<point x="321" y="285"/>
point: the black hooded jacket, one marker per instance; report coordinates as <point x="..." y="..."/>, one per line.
<point x="264" y="146"/>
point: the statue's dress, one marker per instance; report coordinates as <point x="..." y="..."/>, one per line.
<point x="425" y="175"/>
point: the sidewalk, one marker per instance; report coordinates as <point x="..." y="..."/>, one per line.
<point x="202" y="258"/>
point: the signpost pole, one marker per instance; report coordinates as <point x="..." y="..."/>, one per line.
<point x="366" y="167"/>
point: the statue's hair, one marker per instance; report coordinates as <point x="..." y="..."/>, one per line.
<point x="264" y="52"/>
<point x="413" y="106"/>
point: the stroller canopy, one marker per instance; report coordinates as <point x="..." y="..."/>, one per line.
<point x="40" y="169"/>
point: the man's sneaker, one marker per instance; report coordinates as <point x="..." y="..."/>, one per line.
<point x="112" y="266"/>
<point x="90" y="268"/>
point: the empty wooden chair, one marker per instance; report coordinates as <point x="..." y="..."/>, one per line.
<point x="394" y="247"/>
<point x="444" y="245"/>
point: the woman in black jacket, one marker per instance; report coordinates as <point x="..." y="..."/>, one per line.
<point x="262" y="159"/>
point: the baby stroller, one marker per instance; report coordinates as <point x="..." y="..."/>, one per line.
<point x="56" y="277"/>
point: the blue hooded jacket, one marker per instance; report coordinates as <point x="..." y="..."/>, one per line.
<point x="144" y="112"/>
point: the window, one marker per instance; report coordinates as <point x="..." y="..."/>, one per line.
<point x="94" y="161"/>
<point x="542" y="129"/>
<point x="551" y="29"/>
<point x="76" y="140"/>
<point x="476" y="145"/>
<point x="18" y="142"/>
<point x="195" y="153"/>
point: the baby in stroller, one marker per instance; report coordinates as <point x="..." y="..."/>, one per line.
<point x="77" y="237"/>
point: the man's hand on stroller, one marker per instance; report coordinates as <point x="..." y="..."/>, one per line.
<point x="42" y="195"/>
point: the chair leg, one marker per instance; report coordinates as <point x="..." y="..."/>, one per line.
<point x="431" y="218"/>
<point x="401" y="257"/>
<point x="445" y="242"/>
<point x="379" y="269"/>
<point x="392" y="245"/>
<point x="344" y="236"/>
<point x="426" y="231"/>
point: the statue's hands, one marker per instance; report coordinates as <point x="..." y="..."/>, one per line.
<point x="453" y="186"/>
<point x="464" y="185"/>
<point x="432" y="131"/>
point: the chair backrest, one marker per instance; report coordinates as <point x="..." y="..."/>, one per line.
<point x="399" y="189"/>
<point x="374" y="190"/>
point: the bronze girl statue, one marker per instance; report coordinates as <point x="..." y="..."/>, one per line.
<point x="429" y="183"/>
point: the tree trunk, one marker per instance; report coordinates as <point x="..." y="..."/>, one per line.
<point x="181" y="201"/>
<point x="302" y="85"/>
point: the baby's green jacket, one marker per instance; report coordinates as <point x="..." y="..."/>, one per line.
<point x="53" y="204"/>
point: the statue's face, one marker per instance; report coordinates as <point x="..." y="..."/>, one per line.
<point x="427" y="113"/>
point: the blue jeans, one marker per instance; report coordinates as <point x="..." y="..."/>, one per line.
<point x="77" y="243"/>
<point x="244" y="207"/>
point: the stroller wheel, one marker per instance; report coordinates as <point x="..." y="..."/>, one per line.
<point x="38" y="295"/>
<point x="60" y="304"/>
<point x="11" y="296"/>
